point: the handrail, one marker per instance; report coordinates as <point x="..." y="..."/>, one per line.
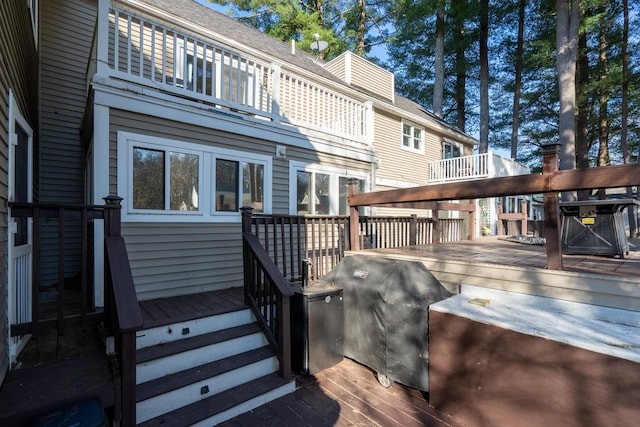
<point x="268" y="293"/>
<point x="121" y="314"/>
<point x="125" y="319"/>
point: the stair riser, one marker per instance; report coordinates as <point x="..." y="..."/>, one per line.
<point x="247" y="406"/>
<point x="179" y="362"/>
<point x="178" y="398"/>
<point x="174" y="332"/>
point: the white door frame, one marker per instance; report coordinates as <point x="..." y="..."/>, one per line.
<point x="20" y="257"/>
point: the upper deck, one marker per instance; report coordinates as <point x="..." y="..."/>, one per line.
<point x="495" y="263"/>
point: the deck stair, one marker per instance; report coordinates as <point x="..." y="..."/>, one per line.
<point x="205" y="370"/>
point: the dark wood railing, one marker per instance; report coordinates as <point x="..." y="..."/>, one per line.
<point x="267" y="293"/>
<point x="121" y="313"/>
<point x="308" y="247"/>
<point x="550" y="183"/>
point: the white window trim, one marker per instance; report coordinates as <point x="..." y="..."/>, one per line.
<point x="446" y="141"/>
<point x="334" y="177"/>
<point x="206" y="211"/>
<point x="419" y="150"/>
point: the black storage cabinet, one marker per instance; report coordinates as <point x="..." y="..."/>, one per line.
<point x="386" y="309"/>
<point x="316" y="328"/>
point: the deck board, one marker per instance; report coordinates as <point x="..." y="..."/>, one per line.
<point x="346" y="395"/>
<point x="163" y="311"/>
<point x="494" y="250"/>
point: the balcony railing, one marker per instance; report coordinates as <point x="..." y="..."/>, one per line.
<point x="460" y="168"/>
<point x="188" y="65"/>
<point x="465" y="168"/>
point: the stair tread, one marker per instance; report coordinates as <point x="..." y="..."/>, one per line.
<point x="218" y="403"/>
<point x="180" y="379"/>
<point x="174" y="347"/>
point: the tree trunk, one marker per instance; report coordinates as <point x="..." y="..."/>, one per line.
<point x="582" y="125"/>
<point x="362" y="20"/>
<point x="517" y="87"/>
<point x="484" y="76"/>
<point x="568" y="20"/>
<point x="438" y="85"/>
<point x="624" y="146"/>
<point x="461" y="69"/>
<point x="603" y="111"/>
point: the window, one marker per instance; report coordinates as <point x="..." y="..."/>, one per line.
<point x="165" y="180"/>
<point x="319" y="190"/>
<point x="189" y="181"/>
<point x="451" y="149"/>
<point x="411" y="137"/>
<point x="228" y="173"/>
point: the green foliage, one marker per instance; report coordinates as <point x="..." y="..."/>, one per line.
<point x="411" y="52"/>
<point x="335" y="21"/>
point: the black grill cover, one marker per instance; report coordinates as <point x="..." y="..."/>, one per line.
<point x="386" y="308"/>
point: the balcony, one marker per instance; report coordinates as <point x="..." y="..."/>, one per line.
<point x="160" y="59"/>
<point x="477" y="166"/>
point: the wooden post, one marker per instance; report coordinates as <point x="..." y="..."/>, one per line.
<point x="472" y="220"/>
<point x="248" y="269"/>
<point x="111" y="228"/>
<point x="112" y="225"/>
<point x="354" y="218"/>
<point x="500" y="228"/>
<point x="523" y="210"/>
<point x="354" y="228"/>
<point x="413" y="230"/>
<point x="435" y="214"/>
<point x="552" y="210"/>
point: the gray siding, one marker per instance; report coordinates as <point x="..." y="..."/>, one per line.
<point x="66" y="31"/>
<point x="174" y="259"/>
<point x="18" y="68"/>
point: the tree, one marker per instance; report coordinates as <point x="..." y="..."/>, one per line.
<point x="438" y="86"/>
<point x="568" y="21"/>
<point x="484" y="76"/>
<point x="517" y="87"/>
<point x="354" y="25"/>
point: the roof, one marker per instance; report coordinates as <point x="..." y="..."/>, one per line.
<point x="205" y="17"/>
<point x="226" y="26"/>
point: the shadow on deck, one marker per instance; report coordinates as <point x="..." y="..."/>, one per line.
<point x="347" y="394"/>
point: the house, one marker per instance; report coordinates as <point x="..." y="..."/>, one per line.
<point x="18" y="131"/>
<point x="186" y="115"/>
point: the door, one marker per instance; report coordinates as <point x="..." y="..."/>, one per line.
<point x="20" y="229"/>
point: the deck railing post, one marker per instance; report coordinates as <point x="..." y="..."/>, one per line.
<point x="111" y="228"/>
<point x="112" y="225"/>
<point x="552" y="210"/>
<point x="472" y="219"/>
<point x="523" y="211"/>
<point x="435" y="213"/>
<point x="247" y="260"/>
<point x="413" y="230"/>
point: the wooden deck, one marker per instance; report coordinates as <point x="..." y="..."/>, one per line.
<point x="347" y="394"/>
<point x="495" y="250"/>
<point x="163" y="311"/>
